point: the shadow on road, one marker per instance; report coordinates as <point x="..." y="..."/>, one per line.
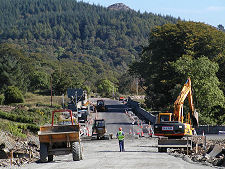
<point x="121" y="123"/>
<point x="130" y="151"/>
<point x="116" y="108"/>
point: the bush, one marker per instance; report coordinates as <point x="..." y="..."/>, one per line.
<point x="2" y="98"/>
<point x="13" y="95"/>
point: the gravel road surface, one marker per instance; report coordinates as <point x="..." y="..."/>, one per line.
<point x="100" y="154"/>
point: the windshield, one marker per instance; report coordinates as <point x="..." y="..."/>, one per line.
<point x="164" y="118"/>
<point x="100" y="123"/>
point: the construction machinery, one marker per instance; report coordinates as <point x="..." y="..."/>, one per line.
<point x="101" y="106"/>
<point x="60" y="139"/>
<point x="172" y="125"/>
<point x="99" y="129"/>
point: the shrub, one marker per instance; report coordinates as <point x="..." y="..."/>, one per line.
<point x="2" y="98"/>
<point x="13" y="95"/>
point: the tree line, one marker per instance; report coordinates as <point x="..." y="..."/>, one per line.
<point x="69" y="43"/>
<point x="176" y="52"/>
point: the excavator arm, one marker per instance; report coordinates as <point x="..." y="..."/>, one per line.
<point x="178" y="104"/>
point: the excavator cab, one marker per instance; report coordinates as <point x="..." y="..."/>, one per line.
<point x="162" y="117"/>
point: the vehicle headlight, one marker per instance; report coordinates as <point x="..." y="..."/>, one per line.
<point x="156" y="126"/>
<point x="180" y="127"/>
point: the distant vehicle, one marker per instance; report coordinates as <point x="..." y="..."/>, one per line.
<point x="101" y="105"/>
<point x="121" y="98"/>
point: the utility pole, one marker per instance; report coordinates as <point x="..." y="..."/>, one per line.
<point x="51" y="88"/>
<point x="76" y="101"/>
<point x="63" y="101"/>
<point x="113" y="93"/>
<point x="137" y="86"/>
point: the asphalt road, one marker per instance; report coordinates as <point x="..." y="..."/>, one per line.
<point x="104" y="154"/>
<point x="115" y="117"/>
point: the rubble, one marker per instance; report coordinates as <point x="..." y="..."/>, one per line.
<point x="212" y="155"/>
<point x="17" y="152"/>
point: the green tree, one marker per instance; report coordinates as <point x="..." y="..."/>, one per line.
<point x="169" y="43"/>
<point x="60" y="82"/>
<point x="105" y="88"/>
<point x="13" y="95"/>
<point x="205" y="84"/>
<point x="11" y="68"/>
<point x="39" y="80"/>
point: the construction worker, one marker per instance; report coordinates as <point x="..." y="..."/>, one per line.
<point x="120" y="137"/>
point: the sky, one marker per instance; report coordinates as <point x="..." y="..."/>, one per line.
<point x="211" y="12"/>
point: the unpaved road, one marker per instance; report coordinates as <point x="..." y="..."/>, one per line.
<point x="103" y="154"/>
<point x="100" y="154"/>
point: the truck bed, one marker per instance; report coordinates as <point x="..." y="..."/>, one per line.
<point x="59" y="133"/>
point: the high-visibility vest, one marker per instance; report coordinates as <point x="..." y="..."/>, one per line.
<point x="120" y="135"/>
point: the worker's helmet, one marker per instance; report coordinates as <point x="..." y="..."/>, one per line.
<point x="120" y="129"/>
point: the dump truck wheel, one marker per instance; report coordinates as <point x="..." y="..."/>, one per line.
<point x="50" y="158"/>
<point x="76" y="151"/>
<point x="43" y="152"/>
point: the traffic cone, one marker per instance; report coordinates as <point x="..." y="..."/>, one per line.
<point x="138" y="122"/>
<point x="88" y="133"/>
<point x="150" y="132"/>
<point x="141" y="125"/>
<point x="138" y="132"/>
<point x="142" y="133"/>
<point x="130" y="132"/>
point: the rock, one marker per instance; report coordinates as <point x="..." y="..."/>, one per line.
<point x="210" y="149"/>
<point x="3" y="154"/>
<point x="119" y="6"/>
<point x="198" y="158"/>
<point x="218" y="161"/>
<point x="32" y="144"/>
<point x="217" y="150"/>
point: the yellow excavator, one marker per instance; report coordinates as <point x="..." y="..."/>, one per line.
<point x="172" y="125"/>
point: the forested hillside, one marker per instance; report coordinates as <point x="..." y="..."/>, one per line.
<point x="72" y="40"/>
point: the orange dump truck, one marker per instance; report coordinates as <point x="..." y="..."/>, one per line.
<point x="60" y="139"/>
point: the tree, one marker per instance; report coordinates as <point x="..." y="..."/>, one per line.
<point x="105" y="88"/>
<point x="221" y="27"/>
<point x="13" y="95"/>
<point x="169" y="43"/>
<point x="205" y="84"/>
<point x="39" y="80"/>
<point x="60" y="82"/>
<point x="11" y="68"/>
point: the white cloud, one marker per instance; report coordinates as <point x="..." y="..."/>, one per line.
<point x="216" y="8"/>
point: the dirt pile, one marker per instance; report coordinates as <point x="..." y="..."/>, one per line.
<point x="16" y="152"/>
<point x="212" y="154"/>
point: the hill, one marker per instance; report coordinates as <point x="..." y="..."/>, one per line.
<point x="85" y="42"/>
<point x="119" y="6"/>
